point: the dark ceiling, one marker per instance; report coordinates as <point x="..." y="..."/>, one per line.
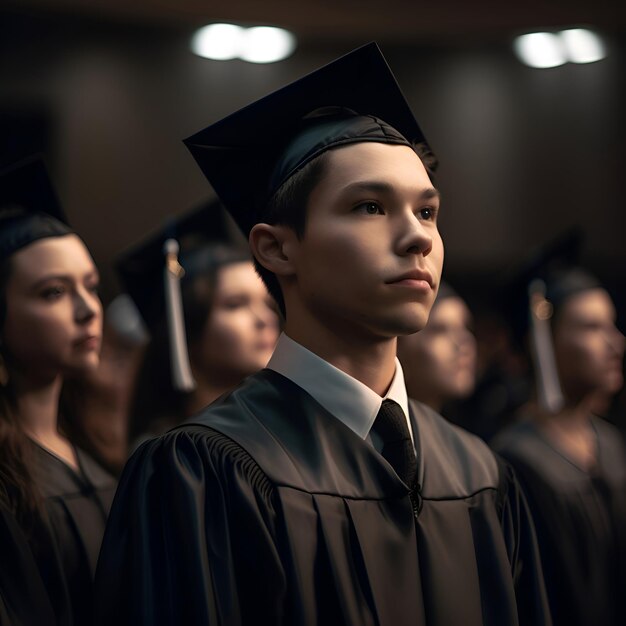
<point x="389" y="21"/>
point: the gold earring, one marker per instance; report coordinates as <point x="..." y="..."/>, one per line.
<point x="4" y="373"/>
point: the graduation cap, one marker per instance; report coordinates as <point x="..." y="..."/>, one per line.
<point x="248" y="155"/>
<point x="549" y="277"/>
<point x="29" y="207"/>
<point x="152" y="271"/>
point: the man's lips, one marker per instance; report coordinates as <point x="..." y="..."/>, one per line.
<point x="414" y="278"/>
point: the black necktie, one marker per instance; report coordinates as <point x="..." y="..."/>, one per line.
<point x="391" y="426"/>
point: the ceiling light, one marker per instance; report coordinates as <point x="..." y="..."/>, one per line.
<point x="266" y="44"/>
<point x="258" y="44"/>
<point x="218" y="41"/>
<point x="540" y="50"/>
<point x="582" y="45"/>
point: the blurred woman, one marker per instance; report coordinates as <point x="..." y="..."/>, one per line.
<point x="50" y="326"/>
<point x="439" y="362"/>
<point x="230" y="328"/>
<point x="571" y="463"/>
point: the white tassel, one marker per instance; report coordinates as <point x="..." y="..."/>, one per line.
<point x="182" y="378"/>
<point x="549" y="392"/>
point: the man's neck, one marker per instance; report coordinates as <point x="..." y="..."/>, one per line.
<point x="370" y="361"/>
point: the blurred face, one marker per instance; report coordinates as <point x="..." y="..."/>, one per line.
<point x="242" y="330"/>
<point x="589" y="349"/>
<point x="371" y="256"/>
<point x="440" y="361"/>
<point x="54" y="316"/>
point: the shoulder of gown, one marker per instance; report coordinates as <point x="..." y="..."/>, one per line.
<point x="611" y="451"/>
<point x="454" y="462"/>
<point x="24" y="599"/>
<point x="192" y="526"/>
<point x="297" y="442"/>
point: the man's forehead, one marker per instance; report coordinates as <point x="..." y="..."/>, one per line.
<point x="378" y="167"/>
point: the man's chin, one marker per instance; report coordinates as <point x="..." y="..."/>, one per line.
<point x="402" y="325"/>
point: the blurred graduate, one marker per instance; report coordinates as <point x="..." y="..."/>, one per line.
<point x="50" y="328"/>
<point x="571" y="463"/>
<point x="210" y="318"/>
<point x="439" y="362"/>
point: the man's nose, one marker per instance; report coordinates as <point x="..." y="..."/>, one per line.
<point x="414" y="238"/>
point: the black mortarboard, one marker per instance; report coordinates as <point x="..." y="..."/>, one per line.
<point x="29" y="207"/>
<point x="249" y="154"/>
<point x="152" y="270"/>
<point x="555" y="265"/>
<point x="141" y="266"/>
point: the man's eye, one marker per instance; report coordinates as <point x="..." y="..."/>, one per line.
<point x="428" y="213"/>
<point x="370" y="208"/>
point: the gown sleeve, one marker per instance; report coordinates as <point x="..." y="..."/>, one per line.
<point x="578" y="557"/>
<point x="191" y="537"/>
<point x="557" y="544"/>
<point x="24" y="600"/>
<point x="521" y="542"/>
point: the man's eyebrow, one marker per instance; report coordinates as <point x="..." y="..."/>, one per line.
<point x="429" y="193"/>
<point x="384" y="187"/>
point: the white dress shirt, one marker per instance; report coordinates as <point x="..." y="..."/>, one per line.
<point x="346" y="398"/>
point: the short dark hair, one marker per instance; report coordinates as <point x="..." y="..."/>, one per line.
<point x="288" y="207"/>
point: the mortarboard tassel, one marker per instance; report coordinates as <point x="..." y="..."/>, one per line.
<point x="182" y="378"/>
<point x="549" y="391"/>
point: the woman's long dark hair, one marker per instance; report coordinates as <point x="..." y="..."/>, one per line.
<point x="18" y="491"/>
<point x="157" y="406"/>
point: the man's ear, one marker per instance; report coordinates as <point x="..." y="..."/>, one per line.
<point x="272" y="245"/>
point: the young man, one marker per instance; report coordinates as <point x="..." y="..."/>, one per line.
<point x="316" y="493"/>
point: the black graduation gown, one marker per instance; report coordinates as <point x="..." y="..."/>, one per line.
<point x="265" y="509"/>
<point x="24" y="600"/>
<point x="77" y="505"/>
<point x="581" y="522"/>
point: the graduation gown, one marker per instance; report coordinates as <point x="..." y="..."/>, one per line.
<point x="580" y="518"/>
<point x="24" y="600"/>
<point x="266" y="509"/>
<point x="67" y="546"/>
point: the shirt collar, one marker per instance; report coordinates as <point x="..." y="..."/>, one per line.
<point x="346" y="398"/>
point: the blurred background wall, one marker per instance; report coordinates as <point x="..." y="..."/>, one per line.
<point x="107" y="90"/>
